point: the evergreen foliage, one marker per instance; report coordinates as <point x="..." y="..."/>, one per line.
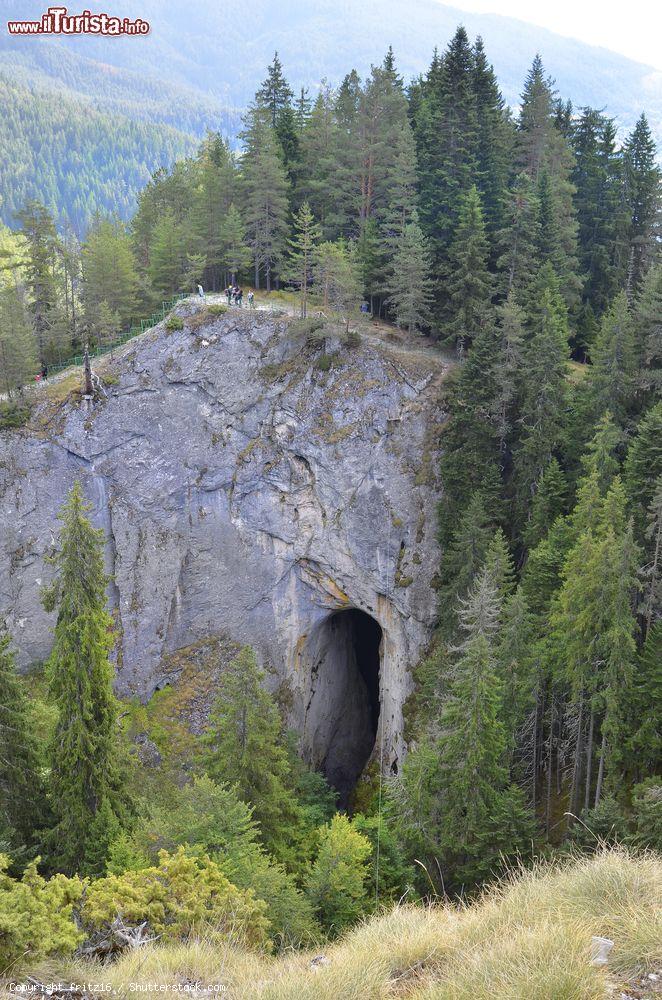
<point x="86" y="790"/>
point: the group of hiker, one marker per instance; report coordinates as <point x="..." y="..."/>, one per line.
<point x="235" y="296"/>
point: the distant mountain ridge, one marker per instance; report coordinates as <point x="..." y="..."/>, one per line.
<point x="219" y="51"/>
<point x="200" y="66"/>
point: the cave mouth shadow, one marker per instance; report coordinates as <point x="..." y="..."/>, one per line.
<point x="343" y="712"/>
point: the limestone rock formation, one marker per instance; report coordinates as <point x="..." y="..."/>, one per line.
<point x="246" y="491"/>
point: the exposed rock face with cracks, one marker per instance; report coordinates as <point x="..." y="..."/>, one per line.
<point x="244" y="491"/>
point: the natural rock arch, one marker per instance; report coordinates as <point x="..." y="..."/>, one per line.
<point x="342" y="659"/>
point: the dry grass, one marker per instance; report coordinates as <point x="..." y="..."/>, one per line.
<point x="528" y="939"/>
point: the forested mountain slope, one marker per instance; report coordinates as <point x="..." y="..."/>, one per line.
<point x="220" y="49"/>
<point x="78" y="161"/>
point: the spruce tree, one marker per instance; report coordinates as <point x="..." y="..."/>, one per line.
<point x="598" y="179"/>
<point x="647" y="323"/>
<point x="494" y="142"/>
<point x="518" y="240"/>
<point x="86" y="779"/>
<point x="215" y="190"/>
<point x="266" y="189"/>
<point x="275" y="95"/>
<point x="651" y="573"/>
<point x="470" y="814"/>
<point x="38" y="231"/>
<point x="109" y="272"/>
<point x="320" y="139"/>
<point x="22" y="789"/>
<point x="234" y="252"/>
<point x="18" y="348"/>
<point x="544" y="392"/>
<point x="303" y="246"/>
<point x="543" y="149"/>
<point x="167" y="263"/>
<point x="642" y="179"/>
<point x="446" y="130"/>
<point x="643" y="463"/>
<point x="468" y="282"/>
<point x="593" y="634"/>
<point x="409" y="282"/>
<point x="614" y="362"/>
<point x="243" y="745"/>
<point x="462" y="559"/>
<point x="548" y="504"/>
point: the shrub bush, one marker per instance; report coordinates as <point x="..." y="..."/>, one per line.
<point x="36" y="915"/>
<point x="174" y="323"/>
<point x="217" y="309"/>
<point x="352" y="339"/>
<point x="182" y="895"/>
<point x="13" y="415"/>
<point x="310" y="329"/>
<point x="324" y="363"/>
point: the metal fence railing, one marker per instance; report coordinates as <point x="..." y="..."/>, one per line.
<point x="133" y="331"/>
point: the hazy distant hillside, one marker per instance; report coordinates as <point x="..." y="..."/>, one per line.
<point x="222" y="49"/>
<point x="75" y="159"/>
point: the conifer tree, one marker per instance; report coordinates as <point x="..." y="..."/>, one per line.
<point x="319" y="144"/>
<point x="409" y="282"/>
<point x="303" y="246"/>
<point x="244" y="745"/>
<point x="109" y="272"/>
<point x="518" y="240"/>
<point x="234" y="252"/>
<point x="86" y="779"/>
<point x="167" y="255"/>
<point x="647" y="323"/>
<point x="602" y="224"/>
<point x="651" y="604"/>
<point x="469" y="814"/>
<point x="336" y="883"/>
<point x="544" y="391"/>
<point x="462" y="559"/>
<point x="545" y="150"/>
<point x="445" y="127"/>
<point x="216" y="188"/>
<point x="614" y="362"/>
<point x="494" y="141"/>
<point x="468" y="283"/>
<point x="643" y="464"/>
<point x="337" y="280"/>
<point x="18" y="349"/>
<point x="275" y="95"/>
<point x="644" y="741"/>
<point x="594" y="629"/>
<point x="506" y="368"/>
<point x="265" y="188"/>
<point x="642" y="179"/>
<point x="548" y="503"/>
<point x="38" y="230"/>
<point x="22" y="791"/>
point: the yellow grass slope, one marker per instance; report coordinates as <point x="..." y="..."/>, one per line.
<point x="528" y="939"/>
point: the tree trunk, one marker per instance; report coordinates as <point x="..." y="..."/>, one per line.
<point x="589" y="761"/>
<point x="576" y="766"/>
<point x="601" y="769"/>
<point x="548" y="799"/>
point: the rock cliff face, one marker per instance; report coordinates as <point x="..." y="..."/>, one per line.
<point x="246" y="491"/>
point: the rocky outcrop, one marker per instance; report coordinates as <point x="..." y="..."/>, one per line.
<point x="244" y="490"/>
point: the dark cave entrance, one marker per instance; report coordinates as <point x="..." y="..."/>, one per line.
<point x="342" y="718"/>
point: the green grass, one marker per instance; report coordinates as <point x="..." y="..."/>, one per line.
<point x="529" y="938"/>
